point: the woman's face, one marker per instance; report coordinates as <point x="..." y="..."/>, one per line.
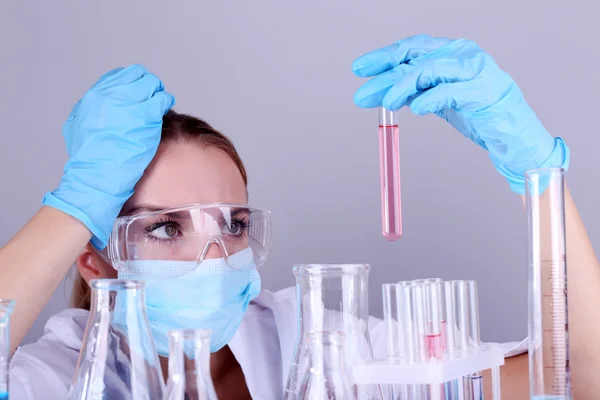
<point x="181" y="173"/>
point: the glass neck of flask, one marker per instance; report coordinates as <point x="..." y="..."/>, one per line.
<point x="332" y="297"/>
<point x="189" y="359"/>
<point x="325" y="352"/>
<point x="117" y="296"/>
<point x="118" y="311"/>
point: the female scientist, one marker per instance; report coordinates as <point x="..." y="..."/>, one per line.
<point x="121" y="135"/>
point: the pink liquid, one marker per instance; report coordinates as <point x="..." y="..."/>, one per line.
<point x="434" y="346"/>
<point x="391" y="205"/>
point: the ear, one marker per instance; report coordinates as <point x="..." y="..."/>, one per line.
<point x="91" y="266"/>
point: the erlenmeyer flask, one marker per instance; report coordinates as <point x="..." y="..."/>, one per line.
<point x="325" y="375"/>
<point x="6" y="308"/>
<point x="118" y="359"/>
<point x="333" y="298"/>
<point x="189" y="365"/>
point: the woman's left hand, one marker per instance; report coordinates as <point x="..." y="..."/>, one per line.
<point x="461" y="83"/>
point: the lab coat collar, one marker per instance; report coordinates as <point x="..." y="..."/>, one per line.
<point x="277" y="346"/>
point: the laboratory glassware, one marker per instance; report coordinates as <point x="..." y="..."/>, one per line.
<point x="389" y="159"/>
<point x="189" y="365"/>
<point x="549" y="371"/>
<point x="433" y="344"/>
<point x="474" y="382"/>
<point x="325" y="375"/>
<point x="118" y="360"/>
<point x="6" y="309"/>
<point x="333" y="297"/>
<point x="401" y="339"/>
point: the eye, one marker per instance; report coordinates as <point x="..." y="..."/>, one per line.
<point x="164" y="231"/>
<point x="235" y="228"/>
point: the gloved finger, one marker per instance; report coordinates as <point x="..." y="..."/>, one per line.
<point x="159" y="104"/>
<point x="414" y="79"/>
<point x="107" y="75"/>
<point x="371" y="93"/>
<point x="447" y="97"/>
<point x="74" y="111"/>
<point x="391" y="56"/>
<point x="123" y="76"/>
<point x="138" y="91"/>
<point x="458" y="96"/>
<point x="435" y="100"/>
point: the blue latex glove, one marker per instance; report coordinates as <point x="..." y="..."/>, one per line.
<point x="112" y="134"/>
<point x="461" y="83"/>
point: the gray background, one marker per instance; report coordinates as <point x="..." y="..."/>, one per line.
<point x="276" y="77"/>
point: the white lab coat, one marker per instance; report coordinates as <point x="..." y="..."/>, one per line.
<point x="263" y="346"/>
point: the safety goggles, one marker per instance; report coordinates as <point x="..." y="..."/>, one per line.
<point x="149" y="242"/>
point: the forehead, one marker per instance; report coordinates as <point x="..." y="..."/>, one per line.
<point x="184" y="173"/>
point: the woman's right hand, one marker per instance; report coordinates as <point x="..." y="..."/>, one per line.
<point x="112" y="134"/>
<point x="459" y="82"/>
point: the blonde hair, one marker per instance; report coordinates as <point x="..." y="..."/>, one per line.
<point x="81" y="295"/>
<point x="176" y="127"/>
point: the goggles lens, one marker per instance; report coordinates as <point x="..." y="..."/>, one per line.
<point x="192" y="234"/>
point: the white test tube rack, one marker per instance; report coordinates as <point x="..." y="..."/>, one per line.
<point x="429" y="373"/>
<point x="423" y="353"/>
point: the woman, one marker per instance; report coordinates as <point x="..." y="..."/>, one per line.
<point x="114" y="141"/>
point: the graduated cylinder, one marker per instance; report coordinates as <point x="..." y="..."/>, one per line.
<point x="549" y="372"/>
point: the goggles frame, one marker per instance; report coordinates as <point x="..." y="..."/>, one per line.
<point x="118" y="237"/>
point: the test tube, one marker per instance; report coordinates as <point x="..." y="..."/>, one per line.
<point x="462" y="316"/>
<point x="406" y="321"/>
<point x="453" y="389"/>
<point x="421" y="392"/>
<point x="418" y="299"/>
<point x="433" y="312"/>
<point x="443" y="320"/>
<point x="463" y="332"/>
<point x="396" y="318"/>
<point x="549" y="372"/>
<point x="391" y="318"/>
<point x="409" y="334"/>
<point x="476" y="383"/>
<point x="450" y="317"/>
<point x="389" y="158"/>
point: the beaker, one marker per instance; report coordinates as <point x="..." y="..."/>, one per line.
<point x="333" y="297"/>
<point x="325" y="376"/>
<point x="549" y="372"/>
<point x="6" y="309"/>
<point x="189" y="365"/>
<point x="118" y="359"/>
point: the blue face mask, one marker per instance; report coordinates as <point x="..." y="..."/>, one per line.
<point x="213" y="296"/>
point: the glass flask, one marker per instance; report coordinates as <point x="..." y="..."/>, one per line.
<point x="6" y="308"/>
<point x="333" y="298"/>
<point x="118" y="360"/>
<point x="189" y="365"/>
<point x="325" y="375"/>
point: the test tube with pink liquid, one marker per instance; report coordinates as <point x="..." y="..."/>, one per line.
<point x="389" y="156"/>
